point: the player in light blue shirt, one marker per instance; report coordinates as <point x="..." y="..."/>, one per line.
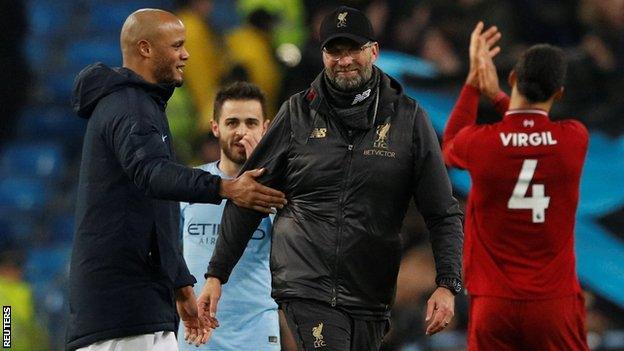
<point x="248" y="313"/>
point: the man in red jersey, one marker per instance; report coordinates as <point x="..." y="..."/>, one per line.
<point x="519" y="244"/>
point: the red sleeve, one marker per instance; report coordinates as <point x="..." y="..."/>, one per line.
<point x="581" y="136"/>
<point x="464" y="114"/>
<point x="501" y="103"/>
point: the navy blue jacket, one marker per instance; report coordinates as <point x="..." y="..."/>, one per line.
<point x="126" y="259"/>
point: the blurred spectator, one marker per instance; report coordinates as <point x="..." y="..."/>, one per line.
<point x="546" y="21"/>
<point x="408" y="314"/>
<point x="602" y="320"/>
<point x="183" y="122"/>
<point x="602" y="61"/>
<point x="209" y="150"/>
<point x="414" y="285"/>
<point x="438" y="31"/>
<point x="14" y="77"/>
<point x="250" y="47"/>
<point x="26" y="334"/>
<point x="207" y="63"/>
<point x="225" y="16"/>
<point x="290" y="25"/>
<point x="298" y="78"/>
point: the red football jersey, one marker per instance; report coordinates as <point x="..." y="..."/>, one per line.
<point x="525" y="171"/>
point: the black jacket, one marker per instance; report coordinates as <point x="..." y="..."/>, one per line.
<point x="337" y="239"/>
<point x="126" y="259"/>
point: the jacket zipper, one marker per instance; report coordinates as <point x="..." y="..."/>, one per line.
<point x="340" y="223"/>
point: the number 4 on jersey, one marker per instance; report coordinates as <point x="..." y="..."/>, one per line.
<point x="538" y="203"/>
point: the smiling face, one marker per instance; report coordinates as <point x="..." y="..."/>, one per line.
<point x="169" y="53"/>
<point x="349" y="65"/>
<point x="236" y="119"/>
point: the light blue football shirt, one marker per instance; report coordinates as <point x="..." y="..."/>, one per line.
<point x="246" y="312"/>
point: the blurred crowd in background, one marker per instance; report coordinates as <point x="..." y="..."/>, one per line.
<point x="274" y="44"/>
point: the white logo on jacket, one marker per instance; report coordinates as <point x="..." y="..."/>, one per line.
<point x="361" y="97"/>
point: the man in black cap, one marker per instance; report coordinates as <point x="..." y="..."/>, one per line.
<point x="350" y="153"/>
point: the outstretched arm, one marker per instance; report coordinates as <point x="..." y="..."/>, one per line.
<point x="145" y="158"/>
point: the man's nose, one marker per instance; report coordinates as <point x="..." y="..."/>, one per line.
<point x="184" y="55"/>
<point x="242" y="129"/>
<point x="345" y="60"/>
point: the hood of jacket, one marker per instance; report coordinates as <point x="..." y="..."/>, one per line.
<point x="389" y="89"/>
<point x="98" y="80"/>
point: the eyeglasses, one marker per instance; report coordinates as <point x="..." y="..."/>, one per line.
<point x="335" y="54"/>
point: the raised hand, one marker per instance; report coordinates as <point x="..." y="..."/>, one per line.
<point x="481" y="40"/>
<point x="486" y="71"/>
<point x="249" y="142"/>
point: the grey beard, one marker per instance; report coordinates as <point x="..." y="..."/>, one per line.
<point x="350" y="84"/>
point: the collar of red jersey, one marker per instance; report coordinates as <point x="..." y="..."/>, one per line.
<point x="526" y="112"/>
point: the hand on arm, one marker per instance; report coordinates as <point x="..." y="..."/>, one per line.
<point x="194" y="330"/>
<point x="245" y="191"/>
<point x="440" y="310"/>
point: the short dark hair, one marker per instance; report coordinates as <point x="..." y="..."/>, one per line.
<point x="239" y="91"/>
<point x="540" y="72"/>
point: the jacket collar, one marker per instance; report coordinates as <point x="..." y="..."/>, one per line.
<point x="161" y="93"/>
<point x="389" y="89"/>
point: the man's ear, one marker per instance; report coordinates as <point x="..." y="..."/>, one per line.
<point x="214" y="126"/>
<point x="374" y="52"/>
<point x="265" y="126"/>
<point x="559" y="94"/>
<point x="512" y="78"/>
<point x="145" y="48"/>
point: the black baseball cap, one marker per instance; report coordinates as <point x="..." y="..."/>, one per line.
<point x="346" y="22"/>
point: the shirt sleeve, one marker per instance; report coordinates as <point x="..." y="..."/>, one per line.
<point x="464" y="114"/>
<point x="501" y="103"/>
<point x="434" y="199"/>
<point x="145" y="158"/>
<point x="238" y="224"/>
<point x="184" y="276"/>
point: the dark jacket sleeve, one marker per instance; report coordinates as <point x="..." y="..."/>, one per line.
<point x="144" y="156"/>
<point x="238" y="224"/>
<point x="184" y="276"/>
<point x="434" y="199"/>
